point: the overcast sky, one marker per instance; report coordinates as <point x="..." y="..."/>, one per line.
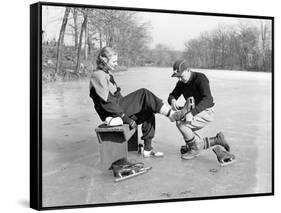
<point x="175" y="29"/>
<point x="172" y="30"/>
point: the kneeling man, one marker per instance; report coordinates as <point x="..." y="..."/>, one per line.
<point x="194" y="86"/>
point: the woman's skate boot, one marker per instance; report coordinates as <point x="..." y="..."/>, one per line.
<point x="181" y="113"/>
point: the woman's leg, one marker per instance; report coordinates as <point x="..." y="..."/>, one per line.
<point x="145" y="100"/>
<point x="148" y="128"/>
<point x="141" y="106"/>
<point x="141" y="100"/>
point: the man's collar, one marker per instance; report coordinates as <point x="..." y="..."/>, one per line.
<point x="190" y="77"/>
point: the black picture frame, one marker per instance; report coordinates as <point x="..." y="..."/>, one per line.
<point x="36" y="199"/>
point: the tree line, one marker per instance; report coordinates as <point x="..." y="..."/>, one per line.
<point x="240" y="47"/>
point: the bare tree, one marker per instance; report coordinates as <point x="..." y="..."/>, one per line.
<point x="74" y="13"/>
<point x="265" y="40"/>
<point x="86" y="41"/>
<point x="122" y="31"/>
<point x="61" y="38"/>
<point x="83" y="29"/>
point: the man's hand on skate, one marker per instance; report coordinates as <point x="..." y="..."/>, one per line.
<point x="175" y="105"/>
<point x="188" y="117"/>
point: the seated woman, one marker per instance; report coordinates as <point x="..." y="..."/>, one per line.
<point x="136" y="108"/>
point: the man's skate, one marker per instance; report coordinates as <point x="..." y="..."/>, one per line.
<point x="123" y="169"/>
<point x="224" y="157"/>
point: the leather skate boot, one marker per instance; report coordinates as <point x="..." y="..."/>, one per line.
<point x="224" y="157"/>
<point x="219" y="140"/>
<point x="179" y="114"/>
<point x="195" y="146"/>
<point x="189" y="151"/>
<point x="184" y="149"/>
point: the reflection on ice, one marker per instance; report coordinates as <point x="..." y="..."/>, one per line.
<point x="66" y="99"/>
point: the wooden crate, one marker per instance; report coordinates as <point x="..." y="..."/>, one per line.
<point x="115" y="142"/>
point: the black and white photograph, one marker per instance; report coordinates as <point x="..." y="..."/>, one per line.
<point x="148" y="105"/>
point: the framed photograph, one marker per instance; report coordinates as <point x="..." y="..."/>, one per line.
<point x="134" y="105"/>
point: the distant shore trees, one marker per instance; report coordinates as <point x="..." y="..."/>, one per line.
<point x="241" y="47"/>
<point x="244" y="46"/>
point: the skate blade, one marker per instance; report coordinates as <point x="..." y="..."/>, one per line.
<point x="154" y="156"/>
<point x="190" y="158"/>
<point x="140" y="172"/>
<point x="227" y="162"/>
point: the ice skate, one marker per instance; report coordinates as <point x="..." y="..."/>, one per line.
<point x="187" y="153"/>
<point x="181" y="113"/>
<point x="123" y="169"/>
<point x="220" y="140"/>
<point x="224" y="157"/>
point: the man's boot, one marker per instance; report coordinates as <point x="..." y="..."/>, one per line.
<point x="223" y="156"/>
<point x="195" y="146"/>
<point x="190" y="151"/>
<point x="219" y="140"/>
